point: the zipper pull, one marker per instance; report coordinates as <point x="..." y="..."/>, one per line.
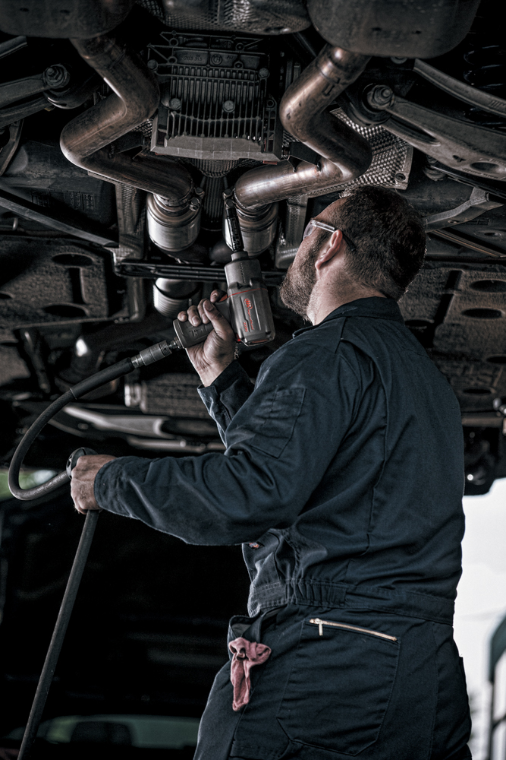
<point x="319" y="623"/>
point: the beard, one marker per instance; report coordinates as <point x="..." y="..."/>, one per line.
<point x="296" y="288"/>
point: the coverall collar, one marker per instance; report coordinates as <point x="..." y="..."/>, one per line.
<point x="373" y="307"/>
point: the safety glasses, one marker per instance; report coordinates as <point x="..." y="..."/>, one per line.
<point x="328" y="228"/>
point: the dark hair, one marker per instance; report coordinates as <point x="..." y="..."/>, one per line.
<point x="389" y="236"/>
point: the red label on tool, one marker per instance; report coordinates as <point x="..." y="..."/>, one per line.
<point x="249" y="307"/>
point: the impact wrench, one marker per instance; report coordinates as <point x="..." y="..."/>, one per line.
<point x="247" y="307"/>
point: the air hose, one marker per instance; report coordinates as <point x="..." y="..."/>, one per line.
<point x="148" y="356"/>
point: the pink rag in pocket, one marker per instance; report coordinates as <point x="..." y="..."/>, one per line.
<point x="246" y="655"/>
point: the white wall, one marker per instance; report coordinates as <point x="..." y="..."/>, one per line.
<point x="481" y="600"/>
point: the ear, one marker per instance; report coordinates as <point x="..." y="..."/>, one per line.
<point x="334" y="247"/>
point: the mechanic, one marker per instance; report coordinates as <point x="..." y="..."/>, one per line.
<point x="343" y="479"/>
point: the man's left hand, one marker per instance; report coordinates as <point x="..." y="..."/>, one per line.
<point x="83" y="481"/>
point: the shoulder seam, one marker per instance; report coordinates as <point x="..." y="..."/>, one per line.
<point x="343" y="357"/>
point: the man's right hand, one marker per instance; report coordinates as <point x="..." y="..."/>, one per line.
<point x="212" y="356"/>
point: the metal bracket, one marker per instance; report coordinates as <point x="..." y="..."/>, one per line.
<point x="22" y="110"/>
<point x="477" y="203"/>
<point x="297" y="152"/>
<point x="53" y="80"/>
<point x="456" y="143"/>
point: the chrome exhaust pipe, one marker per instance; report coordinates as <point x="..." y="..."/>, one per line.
<point x="303" y="114"/>
<point x="267" y="184"/>
<point x="345" y="154"/>
<point x="134" y="99"/>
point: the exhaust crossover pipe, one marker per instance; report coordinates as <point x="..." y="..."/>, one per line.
<point x="135" y="98"/>
<point x="345" y="154"/>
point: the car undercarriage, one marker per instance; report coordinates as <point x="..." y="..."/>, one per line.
<point x="121" y="126"/>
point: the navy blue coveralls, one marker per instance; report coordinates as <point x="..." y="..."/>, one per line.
<point x="343" y="478"/>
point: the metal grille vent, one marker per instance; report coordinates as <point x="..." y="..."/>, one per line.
<point x="391" y="158"/>
<point x="214" y="168"/>
<point x="218" y="168"/>
<point x="154" y="7"/>
<point x="146" y="128"/>
<point x="215" y="103"/>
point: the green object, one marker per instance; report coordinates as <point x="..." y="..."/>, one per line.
<point x="27" y="479"/>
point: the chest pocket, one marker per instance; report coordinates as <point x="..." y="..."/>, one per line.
<point x="274" y="420"/>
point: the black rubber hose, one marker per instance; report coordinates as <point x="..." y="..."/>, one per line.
<point x="77" y="391"/>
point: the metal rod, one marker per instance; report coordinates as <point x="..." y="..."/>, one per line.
<point x="60" y="629"/>
<point x="153" y="270"/>
<point x="12" y="46"/>
<point x="463" y="240"/>
<point x="92" y="232"/>
<point x="484" y="100"/>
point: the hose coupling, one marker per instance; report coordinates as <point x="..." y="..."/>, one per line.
<point x="152" y="354"/>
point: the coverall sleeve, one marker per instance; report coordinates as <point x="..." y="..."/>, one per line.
<point x="279" y="446"/>
<point x="226" y="395"/>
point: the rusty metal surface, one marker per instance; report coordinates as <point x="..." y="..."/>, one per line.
<point x="62" y="18"/>
<point x="56" y="283"/>
<point x="459" y="314"/>
<point x="134" y="99"/>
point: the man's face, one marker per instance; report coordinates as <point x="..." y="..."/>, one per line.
<point x="300" y="279"/>
<point x="295" y="292"/>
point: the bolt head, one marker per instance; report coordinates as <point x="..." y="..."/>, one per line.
<point x="380" y="96"/>
<point x="56" y="76"/>
<point x="384" y="94"/>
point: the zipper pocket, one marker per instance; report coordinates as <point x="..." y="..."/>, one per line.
<point x="321" y="623"/>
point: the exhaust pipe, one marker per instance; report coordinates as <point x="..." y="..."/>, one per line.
<point x="345" y="154"/>
<point x="134" y="99"/>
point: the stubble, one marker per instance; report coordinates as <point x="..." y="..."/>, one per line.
<point x="295" y="291"/>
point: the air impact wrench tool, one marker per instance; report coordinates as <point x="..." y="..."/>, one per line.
<point x="246" y="305"/>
